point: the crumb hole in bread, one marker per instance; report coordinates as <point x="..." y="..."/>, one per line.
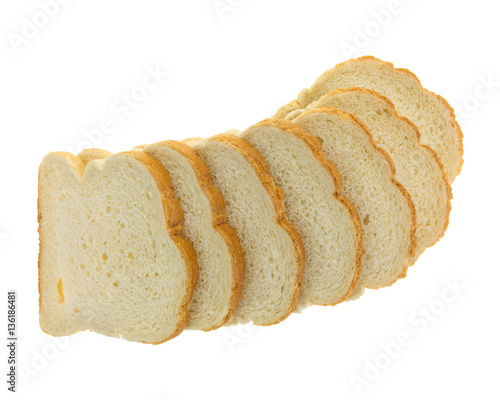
<point x="366" y="220"/>
<point x="60" y="290"/>
<point x="320" y="140"/>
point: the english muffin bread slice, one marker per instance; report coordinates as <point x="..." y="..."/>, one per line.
<point x="418" y="167"/>
<point x="327" y="221"/>
<point x="386" y="210"/>
<point x="254" y="207"/>
<point x="112" y="255"/>
<point x="220" y="257"/>
<point x="433" y="116"/>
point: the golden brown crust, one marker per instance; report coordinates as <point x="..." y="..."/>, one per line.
<point x="174" y="219"/>
<point x="262" y="170"/>
<point x="89" y="155"/>
<point x="460" y="135"/>
<point x="391" y="108"/>
<point x="219" y="221"/>
<point x="315" y="146"/>
<point x="392" y="168"/>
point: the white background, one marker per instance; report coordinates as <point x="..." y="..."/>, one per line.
<point x="229" y="70"/>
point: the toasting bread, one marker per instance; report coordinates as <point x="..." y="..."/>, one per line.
<point x="327" y="221"/>
<point x="418" y="167"/>
<point x="431" y="113"/>
<point x="254" y="207"/>
<point x="112" y="256"/>
<point x="220" y="257"/>
<point x="386" y="210"/>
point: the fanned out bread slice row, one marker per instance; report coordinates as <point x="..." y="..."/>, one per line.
<point x="433" y="116"/>
<point x="368" y="174"/>
<point x="113" y="258"/>
<point x="418" y="168"/>
<point x="273" y="248"/>
<point x="250" y="226"/>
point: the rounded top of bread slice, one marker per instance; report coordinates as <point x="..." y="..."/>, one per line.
<point x="386" y="210"/>
<point x="418" y="167"/>
<point x="220" y="256"/>
<point x="430" y="112"/>
<point x="254" y="207"/>
<point x="110" y="243"/>
<point x="326" y="220"/>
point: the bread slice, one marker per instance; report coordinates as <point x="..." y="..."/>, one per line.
<point x="386" y="210"/>
<point x="327" y="221"/>
<point x="112" y="256"/>
<point x="254" y="207"/>
<point x="220" y="257"/>
<point x="430" y="112"/>
<point x="418" y="167"/>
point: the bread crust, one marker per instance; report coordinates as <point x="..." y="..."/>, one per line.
<point x="407" y="72"/>
<point x="295" y="104"/>
<point x="315" y="146"/>
<point x="225" y="230"/>
<point x="391" y="108"/>
<point x="262" y="170"/>
<point x="174" y="219"/>
<point x="413" y="213"/>
<point x="88" y="155"/>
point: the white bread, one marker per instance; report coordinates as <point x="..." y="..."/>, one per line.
<point x="386" y="210"/>
<point x="418" y="167"/>
<point x="112" y="256"/>
<point x="327" y="221"/>
<point x="254" y="207"/>
<point x="430" y="112"/>
<point x="220" y="257"/>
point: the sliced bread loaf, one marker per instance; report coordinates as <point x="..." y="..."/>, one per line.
<point x="431" y="113"/>
<point x="386" y="210"/>
<point x="327" y="221"/>
<point x="418" y="167"/>
<point x="254" y="207"/>
<point x="112" y="256"/>
<point x="220" y="257"/>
